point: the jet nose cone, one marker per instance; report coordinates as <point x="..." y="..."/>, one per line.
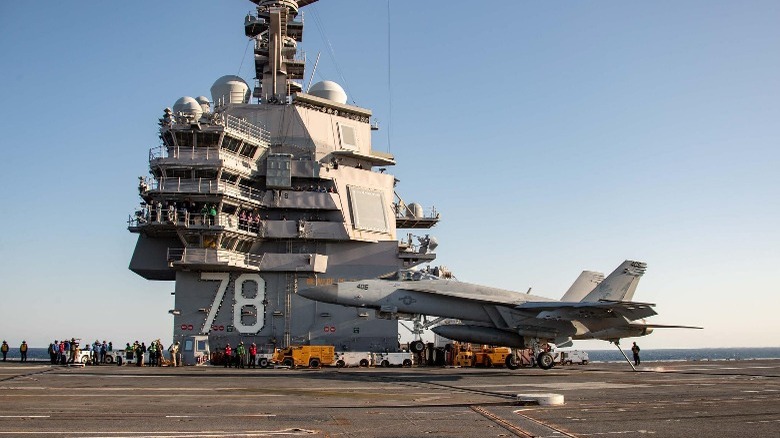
<point x="327" y="294"/>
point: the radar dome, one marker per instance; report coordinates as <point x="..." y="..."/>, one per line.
<point x="229" y="89"/>
<point x="188" y="105"/>
<point x="415" y="211"/>
<point x="329" y="90"/>
<point x="204" y="103"/>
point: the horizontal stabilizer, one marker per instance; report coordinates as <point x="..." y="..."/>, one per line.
<point x="655" y="326"/>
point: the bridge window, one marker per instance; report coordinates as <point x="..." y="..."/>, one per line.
<point x="231" y="144"/>
<point x="178" y="173"/>
<point x="184" y="139"/>
<point x="205" y="174"/>
<point x="248" y="150"/>
<point x="208" y="139"/>
<point x="167" y="138"/>
<point x="229" y="177"/>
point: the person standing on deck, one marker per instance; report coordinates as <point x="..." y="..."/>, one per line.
<point x="252" y="355"/>
<point x="152" y="354"/>
<point x="4" y="350"/>
<point x="228" y="356"/>
<point x="23" y="351"/>
<point x="635" y="350"/>
<point x="103" y="351"/>
<point x="240" y="355"/>
<point x="174" y="350"/>
<point x="53" y="352"/>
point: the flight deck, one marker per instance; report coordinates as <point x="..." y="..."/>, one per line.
<point x="665" y="399"/>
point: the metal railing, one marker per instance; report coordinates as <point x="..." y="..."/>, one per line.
<point x="235" y="125"/>
<point x="193" y="153"/>
<point x="152" y="215"/>
<point x="213" y="256"/>
<point x="204" y="186"/>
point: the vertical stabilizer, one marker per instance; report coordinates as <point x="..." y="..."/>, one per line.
<point x="584" y="284"/>
<point x="621" y="284"/>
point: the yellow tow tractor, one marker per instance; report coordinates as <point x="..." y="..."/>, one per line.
<point x="466" y="355"/>
<point x="312" y="356"/>
<point x="489" y="356"/>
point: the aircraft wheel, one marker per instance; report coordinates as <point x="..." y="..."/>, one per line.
<point x="545" y="360"/>
<point x="314" y="363"/>
<point x="417" y="346"/>
<point x="511" y="362"/>
<point x="263" y="362"/>
<point x="407" y="362"/>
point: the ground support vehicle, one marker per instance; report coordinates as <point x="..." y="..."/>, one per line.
<point x="353" y="359"/>
<point x="488" y="356"/>
<point x="464" y="359"/>
<point x="194" y="350"/>
<point x="574" y="356"/>
<point x="264" y="360"/>
<point x="85" y="357"/>
<point x="312" y="356"/>
<point x="405" y="359"/>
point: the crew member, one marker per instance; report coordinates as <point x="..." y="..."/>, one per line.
<point x="635" y="350"/>
<point x="4" y="350"/>
<point x="128" y="352"/>
<point x="23" y="351"/>
<point x="152" y="354"/>
<point x="139" y="355"/>
<point x="228" y="356"/>
<point x="240" y="355"/>
<point x="174" y="350"/>
<point x="252" y="354"/>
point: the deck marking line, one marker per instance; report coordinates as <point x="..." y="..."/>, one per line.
<point x="501" y="422"/>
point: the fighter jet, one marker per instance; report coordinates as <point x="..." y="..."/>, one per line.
<point x="594" y="307"/>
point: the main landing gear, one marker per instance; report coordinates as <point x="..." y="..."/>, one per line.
<point x="545" y="360"/>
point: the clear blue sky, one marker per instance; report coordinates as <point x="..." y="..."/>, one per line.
<point x="552" y="136"/>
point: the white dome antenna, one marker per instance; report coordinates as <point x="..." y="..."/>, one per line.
<point x="189" y="107"/>
<point x="229" y="89"/>
<point x="329" y="90"/>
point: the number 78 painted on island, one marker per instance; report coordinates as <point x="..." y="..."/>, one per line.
<point x="239" y="300"/>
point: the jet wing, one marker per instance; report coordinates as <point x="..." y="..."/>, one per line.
<point x="477" y="294"/>
<point x="584" y="310"/>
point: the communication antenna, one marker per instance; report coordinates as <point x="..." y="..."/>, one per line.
<point x="316" y="63"/>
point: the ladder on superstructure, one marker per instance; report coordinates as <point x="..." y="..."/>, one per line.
<point x="291" y="286"/>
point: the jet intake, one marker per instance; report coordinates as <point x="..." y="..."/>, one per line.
<point x="480" y="335"/>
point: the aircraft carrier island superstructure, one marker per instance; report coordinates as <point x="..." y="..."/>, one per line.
<point x="253" y="195"/>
